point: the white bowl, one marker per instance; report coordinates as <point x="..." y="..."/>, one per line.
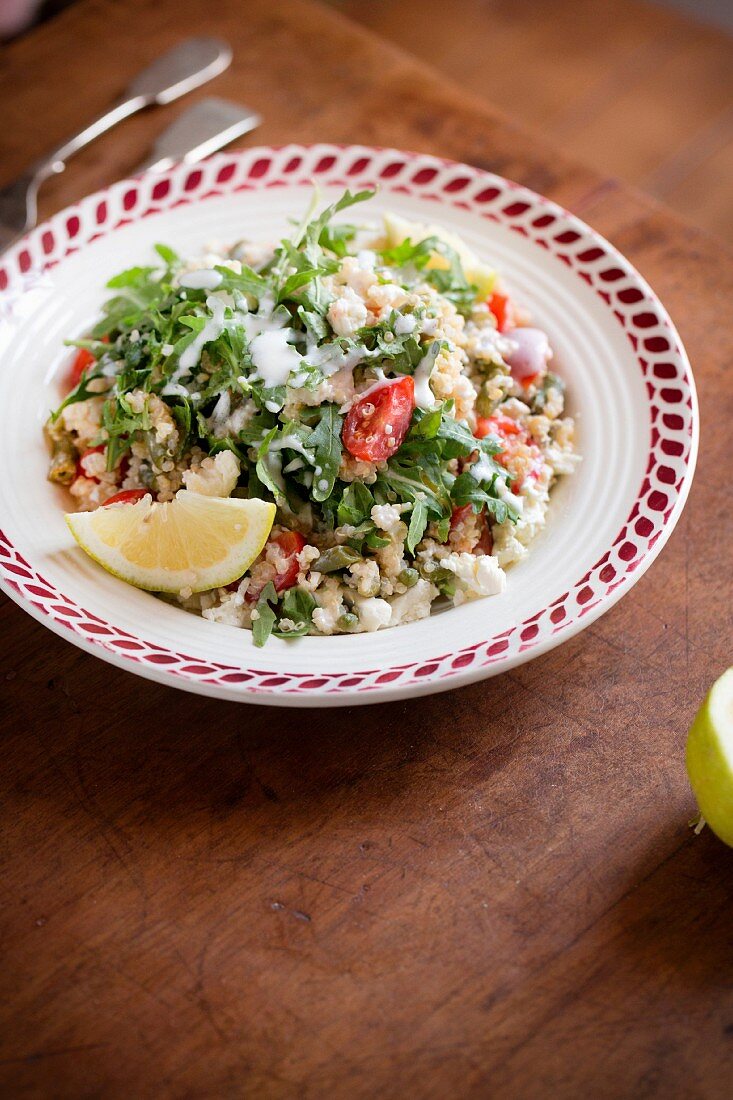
<point x="629" y="385"/>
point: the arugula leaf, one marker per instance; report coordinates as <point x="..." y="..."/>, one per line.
<point x="297" y="605"/>
<point x="297" y="280"/>
<point x="247" y="281"/>
<point x="314" y="322"/>
<point x="168" y="256"/>
<point x="269" y="468"/>
<point x="326" y="439"/>
<point x="466" y="490"/>
<point x="335" y="238"/>
<point x="449" y="281"/>
<point x="121" y="422"/>
<point x="312" y="230"/>
<point x="266" y="618"/>
<point x="418" y="523"/>
<point x="426" y="424"/>
<point x="134" y="276"/>
<point x="80" y="393"/>
<point x="355" y="505"/>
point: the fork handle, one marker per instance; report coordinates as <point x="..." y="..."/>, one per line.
<point x="18" y="199"/>
<point x="55" y="161"/>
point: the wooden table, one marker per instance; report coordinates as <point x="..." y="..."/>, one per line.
<point x="492" y="892"/>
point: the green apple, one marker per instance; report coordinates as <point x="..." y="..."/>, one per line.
<point x="710" y="757"/>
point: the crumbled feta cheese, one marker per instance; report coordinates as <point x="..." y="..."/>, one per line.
<point x="477" y="575"/>
<point x="373" y="613"/>
<point x="414" y="603"/>
<point x="347" y="313"/>
<point x="386" y="516"/>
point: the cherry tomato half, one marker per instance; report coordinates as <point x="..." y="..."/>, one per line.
<point x="128" y="496"/>
<point x="377" y="423"/>
<point x="290" y="543"/>
<point x="502" y="308"/>
<point x="81" y="362"/>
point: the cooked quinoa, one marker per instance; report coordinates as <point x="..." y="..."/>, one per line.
<point x="404" y="420"/>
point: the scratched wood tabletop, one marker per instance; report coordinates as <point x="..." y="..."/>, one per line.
<point x="492" y="892"/>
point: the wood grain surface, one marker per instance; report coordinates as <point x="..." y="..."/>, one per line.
<point x="492" y="892"/>
<point x="632" y="88"/>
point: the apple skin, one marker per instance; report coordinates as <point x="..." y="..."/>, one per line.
<point x="710" y="758"/>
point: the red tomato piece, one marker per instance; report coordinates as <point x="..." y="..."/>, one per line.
<point x="460" y="515"/>
<point x="377" y="423"/>
<point x="80" y="363"/>
<point x="290" y="543"/>
<point x="81" y="470"/>
<point x="500" y="425"/>
<point x="510" y="433"/>
<point x="128" y="496"/>
<point x="503" y="311"/>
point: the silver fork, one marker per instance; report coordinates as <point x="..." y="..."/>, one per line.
<point x="180" y="70"/>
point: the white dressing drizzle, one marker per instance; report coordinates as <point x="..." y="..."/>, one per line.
<point x="482" y="469"/>
<point x="273" y="357"/>
<point x="191" y="356"/>
<point x="424" y="396"/>
<point x="204" y="279"/>
<point x="330" y="359"/>
<point x="293" y="443"/>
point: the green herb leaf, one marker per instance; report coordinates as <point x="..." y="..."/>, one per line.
<point x="326" y="439"/>
<point x="418" y="523"/>
<point x="298" y="605"/>
<point x="266" y="618"/>
<point x="167" y="255"/>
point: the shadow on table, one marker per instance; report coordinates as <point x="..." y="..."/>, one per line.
<point x="120" y="742"/>
<point x="674" y="921"/>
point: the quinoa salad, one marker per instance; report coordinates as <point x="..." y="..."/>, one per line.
<point x="375" y="382"/>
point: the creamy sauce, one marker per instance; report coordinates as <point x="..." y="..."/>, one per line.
<point x="273" y="357"/>
<point x="212" y="330"/>
<point x="330" y="359"/>
<point x="482" y="469"/>
<point x="424" y="396"/>
<point x="205" y="279"/>
<point x="293" y="443"/>
<point x="504" y="493"/>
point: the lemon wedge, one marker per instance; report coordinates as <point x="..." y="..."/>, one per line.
<point x="710" y="757"/>
<point x="194" y="542"/>
<point x="398" y="229"/>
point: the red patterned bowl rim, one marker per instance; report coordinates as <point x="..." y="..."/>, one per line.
<point x="656" y="345"/>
